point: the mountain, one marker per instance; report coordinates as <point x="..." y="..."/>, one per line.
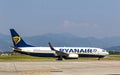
<point x="71" y="40"/>
<point x="114" y="48"/>
<point x="63" y="39"/>
<point x="5" y="42"/>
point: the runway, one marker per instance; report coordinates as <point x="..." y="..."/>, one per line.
<point x="61" y="68"/>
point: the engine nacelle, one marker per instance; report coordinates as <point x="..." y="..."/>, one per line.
<point x="74" y="56"/>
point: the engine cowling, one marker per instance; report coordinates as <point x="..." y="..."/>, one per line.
<point x="74" y="56"/>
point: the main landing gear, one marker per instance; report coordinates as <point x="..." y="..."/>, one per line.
<point x="60" y="58"/>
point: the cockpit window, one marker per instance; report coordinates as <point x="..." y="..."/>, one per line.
<point x="103" y="50"/>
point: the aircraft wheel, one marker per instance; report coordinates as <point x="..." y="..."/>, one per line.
<point x="99" y="58"/>
<point x="60" y="58"/>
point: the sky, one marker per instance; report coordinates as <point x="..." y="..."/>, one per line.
<point x="83" y="18"/>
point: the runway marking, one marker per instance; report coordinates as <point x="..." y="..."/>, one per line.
<point x="39" y="71"/>
<point x="36" y="71"/>
<point x="56" y="71"/>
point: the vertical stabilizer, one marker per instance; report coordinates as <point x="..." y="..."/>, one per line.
<point x="17" y="40"/>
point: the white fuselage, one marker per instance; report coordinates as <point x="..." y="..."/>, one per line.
<point x="69" y="50"/>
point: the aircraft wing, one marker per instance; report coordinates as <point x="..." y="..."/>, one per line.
<point x="59" y="53"/>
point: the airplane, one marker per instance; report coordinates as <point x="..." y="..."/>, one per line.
<point x="22" y="47"/>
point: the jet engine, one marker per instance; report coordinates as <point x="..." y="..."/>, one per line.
<point x="73" y="56"/>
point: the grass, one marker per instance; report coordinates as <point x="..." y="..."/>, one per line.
<point x="113" y="57"/>
<point x="19" y="57"/>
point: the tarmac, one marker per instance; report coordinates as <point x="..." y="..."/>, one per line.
<point x="60" y="68"/>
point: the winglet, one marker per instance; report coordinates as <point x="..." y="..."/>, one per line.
<point x="51" y="47"/>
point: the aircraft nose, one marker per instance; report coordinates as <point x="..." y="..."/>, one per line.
<point x="107" y="53"/>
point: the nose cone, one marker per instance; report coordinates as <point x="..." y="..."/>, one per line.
<point x="107" y="53"/>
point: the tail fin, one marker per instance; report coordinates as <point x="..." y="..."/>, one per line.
<point x="17" y="40"/>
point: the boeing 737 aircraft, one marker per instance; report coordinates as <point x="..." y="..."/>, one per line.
<point x="61" y="52"/>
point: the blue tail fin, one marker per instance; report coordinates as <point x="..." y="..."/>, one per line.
<point x="17" y="40"/>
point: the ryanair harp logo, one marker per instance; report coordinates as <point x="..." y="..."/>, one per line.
<point x="16" y="39"/>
